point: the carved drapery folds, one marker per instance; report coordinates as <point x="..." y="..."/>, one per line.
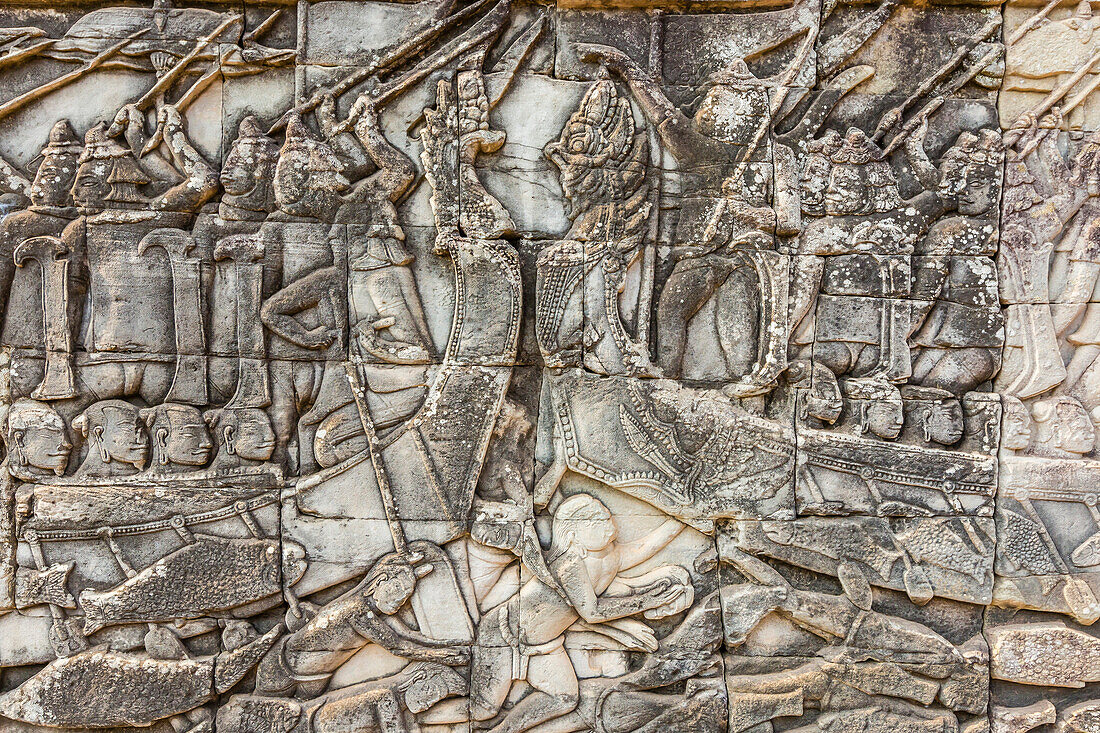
<point x="489" y="365"/>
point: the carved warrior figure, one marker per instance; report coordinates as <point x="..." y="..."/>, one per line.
<point x="234" y="284"/>
<point x="134" y="297"/>
<point x="856" y="259"/>
<point x="40" y="305"/>
<point x="724" y="236"/>
<point x="587" y="561"/>
<point x="957" y="326"/>
<point x="602" y="163"/>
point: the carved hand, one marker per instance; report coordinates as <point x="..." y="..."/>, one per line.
<point x="126" y="118"/>
<point x="317" y="338"/>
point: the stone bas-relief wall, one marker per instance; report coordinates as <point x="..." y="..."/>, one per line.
<point x="452" y="366"/>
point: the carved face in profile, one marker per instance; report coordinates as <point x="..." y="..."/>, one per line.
<point x="116" y="438"/>
<point x="885" y="418"/>
<point x="394" y="587"/>
<point x="91" y="189"/>
<point x="248" y="174"/>
<point x="582" y="520"/>
<point x="308" y="175"/>
<point x="976" y="194"/>
<point x="1015" y="424"/>
<point x="944" y="422"/>
<point x="497" y="524"/>
<point x="124" y="436"/>
<point x="37" y="440"/>
<point x="179" y="435"/>
<point x="431" y="683"/>
<point x="812" y="184"/>
<point x="242" y="433"/>
<point x="53" y="181"/>
<point x="1063" y="427"/>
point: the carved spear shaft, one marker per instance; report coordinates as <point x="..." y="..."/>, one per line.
<point x="38" y="92"/>
<point x="374" y="447"/>
<point x="177" y="71"/>
<point x="23" y="53"/>
<point x="1013" y="136"/>
<point x="926" y="111"/>
<point x="649" y="251"/>
<point x="413" y="45"/>
<point x="893" y="116"/>
<point x="487" y="28"/>
<point x="1032" y="23"/>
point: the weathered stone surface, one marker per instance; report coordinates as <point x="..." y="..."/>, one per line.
<point x="511" y="365"/>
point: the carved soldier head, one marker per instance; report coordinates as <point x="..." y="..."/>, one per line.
<point x="600" y="155"/>
<point x="814" y="178"/>
<point x="878" y="406"/>
<point x="308" y="176"/>
<point x="53" y="182"/>
<point x="860" y="179"/>
<point x="969" y="172"/>
<point x="937" y="413"/>
<point x="427" y="683"/>
<point x="116" y="438"/>
<point x="392" y="580"/>
<point x="817" y="391"/>
<point x="1062" y="428"/>
<point x="583" y="522"/>
<point x="497" y="523"/>
<point x="1015" y="424"/>
<point x="109" y="176"/>
<point x="38" y="443"/>
<point x="248" y="174"/>
<point x="243" y="436"/>
<point x="1086" y="165"/>
<point x="179" y="436"/>
<point x="1082" y="21"/>
<point x="734" y="107"/>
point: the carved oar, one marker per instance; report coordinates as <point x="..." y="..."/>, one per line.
<point x="893" y="116"/>
<point x="26" y="98"/>
<point x="395" y="56"/>
<point x="1077" y="592"/>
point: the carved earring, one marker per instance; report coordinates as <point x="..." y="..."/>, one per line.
<point x="17" y="449"/>
<point x="228" y="433"/>
<point x="97" y="433"/>
<point x="162" y="443"/>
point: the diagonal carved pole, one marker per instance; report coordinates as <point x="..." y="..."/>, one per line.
<point x="16" y="104"/>
<point x="56" y="261"/>
<point x="189" y="383"/>
<point x="246" y="252"/>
